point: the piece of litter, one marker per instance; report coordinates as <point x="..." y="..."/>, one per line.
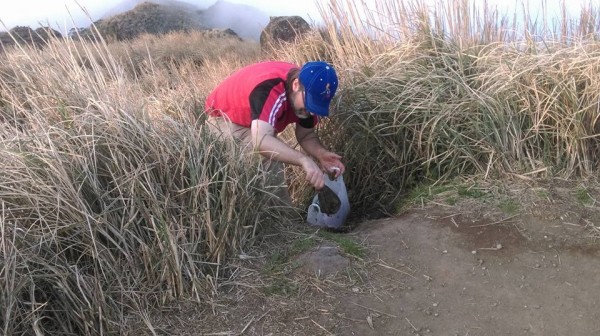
<point x="496" y="248"/>
<point x="370" y="322"/>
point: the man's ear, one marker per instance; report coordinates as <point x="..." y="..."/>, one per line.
<point x="296" y="85"/>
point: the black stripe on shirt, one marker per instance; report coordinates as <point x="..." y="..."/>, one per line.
<point x="260" y="94"/>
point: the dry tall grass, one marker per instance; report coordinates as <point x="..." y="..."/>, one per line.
<point x="432" y="93"/>
<point x="115" y="198"/>
<point x="113" y="195"/>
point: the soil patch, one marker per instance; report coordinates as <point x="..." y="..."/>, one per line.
<point x="456" y="283"/>
<point x="521" y="259"/>
<point x="323" y="261"/>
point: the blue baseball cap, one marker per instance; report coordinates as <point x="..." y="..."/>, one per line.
<point x="320" y="82"/>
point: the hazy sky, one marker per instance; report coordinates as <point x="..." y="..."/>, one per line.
<point x="56" y="12"/>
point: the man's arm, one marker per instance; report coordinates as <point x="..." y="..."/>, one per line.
<point x="310" y="143"/>
<point x="265" y="142"/>
<point x="308" y="139"/>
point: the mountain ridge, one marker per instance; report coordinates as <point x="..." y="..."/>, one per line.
<point x="129" y="19"/>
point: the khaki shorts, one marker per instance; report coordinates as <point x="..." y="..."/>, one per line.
<point x="221" y="126"/>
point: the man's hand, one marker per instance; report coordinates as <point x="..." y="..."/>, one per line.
<point x="274" y="149"/>
<point x="314" y="175"/>
<point x="310" y="142"/>
<point x="329" y="161"/>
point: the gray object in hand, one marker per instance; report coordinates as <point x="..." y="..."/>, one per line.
<point x="330" y="206"/>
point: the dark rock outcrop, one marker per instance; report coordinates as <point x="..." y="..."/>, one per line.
<point x="282" y="29"/>
<point x="221" y="33"/>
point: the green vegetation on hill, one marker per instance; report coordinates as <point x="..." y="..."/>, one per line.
<point x="114" y="199"/>
<point x="146" y="18"/>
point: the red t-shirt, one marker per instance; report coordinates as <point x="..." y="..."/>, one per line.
<point x="255" y="92"/>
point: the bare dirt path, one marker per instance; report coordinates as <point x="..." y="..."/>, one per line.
<point x="522" y="262"/>
<point x="440" y="276"/>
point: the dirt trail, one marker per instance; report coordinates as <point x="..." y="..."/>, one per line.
<point x="522" y="262"/>
<point x="445" y="276"/>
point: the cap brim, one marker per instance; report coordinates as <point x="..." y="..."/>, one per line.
<point x="314" y="107"/>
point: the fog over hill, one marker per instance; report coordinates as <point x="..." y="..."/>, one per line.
<point x="126" y="5"/>
<point x="55" y="13"/>
<point x="246" y="20"/>
<point x="154" y="17"/>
